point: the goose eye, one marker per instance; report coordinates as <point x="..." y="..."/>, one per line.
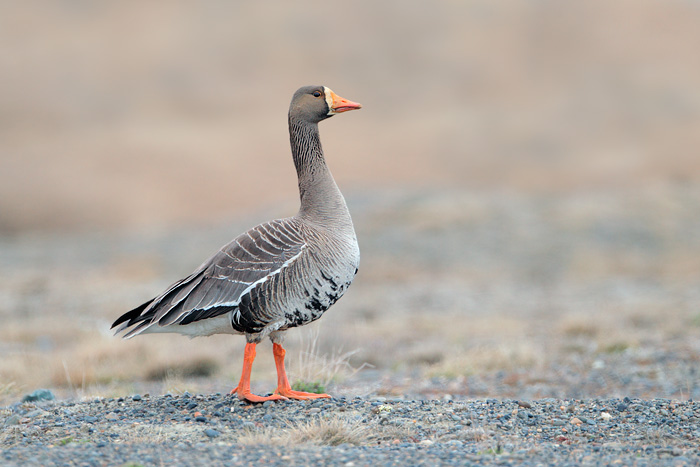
<point x="317" y="93"/>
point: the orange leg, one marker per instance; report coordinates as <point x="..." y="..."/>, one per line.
<point x="243" y="388"/>
<point x="283" y="387"/>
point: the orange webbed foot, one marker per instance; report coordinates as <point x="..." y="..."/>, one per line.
<point x="243" y="388"/>
<point x="300" y="395"/>
<point x="246" y="395"/>
<point x="283" y="386"/>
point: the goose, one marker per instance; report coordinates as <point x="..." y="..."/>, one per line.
<point x="278" y="275"/>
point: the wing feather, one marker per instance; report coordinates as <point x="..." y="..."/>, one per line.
<point x="218" y="285"/>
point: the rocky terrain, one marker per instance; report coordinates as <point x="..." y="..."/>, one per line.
<point x="219" y="430"/>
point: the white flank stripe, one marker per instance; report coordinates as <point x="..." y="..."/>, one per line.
<point x="259" y="281"/>
<point x="147" y="328"/>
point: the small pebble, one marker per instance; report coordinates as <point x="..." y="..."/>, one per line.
<point x="39" y="395"/>
<point x="34" y="413"/>
<point x="211" y="433"/>
<point x="12" y="420"/>
<point x="136" y="397"/>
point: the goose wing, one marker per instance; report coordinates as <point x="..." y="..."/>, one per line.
<point x="218" y="285"/>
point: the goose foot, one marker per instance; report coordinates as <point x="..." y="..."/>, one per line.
<point x="283" y="386"/>
<point x="243" y="388"/>
<point x="289" y="393"/>
<point x="246" y="395"/>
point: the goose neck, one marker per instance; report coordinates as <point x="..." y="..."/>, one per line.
<point x="321" y="200"/>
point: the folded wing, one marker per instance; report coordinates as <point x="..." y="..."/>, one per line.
<point x="218" y="285"/>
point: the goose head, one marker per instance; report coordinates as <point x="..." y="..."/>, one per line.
<point x="316" y="103"/>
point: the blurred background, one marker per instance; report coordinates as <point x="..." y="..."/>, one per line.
<point x="524" y="179"/>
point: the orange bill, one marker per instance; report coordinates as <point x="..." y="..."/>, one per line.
<point x="342" y="105"/>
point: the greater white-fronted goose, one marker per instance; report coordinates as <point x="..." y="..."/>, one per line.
<point x="278" y="275"/>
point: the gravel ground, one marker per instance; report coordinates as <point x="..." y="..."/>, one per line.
<point x="219" y="430"/>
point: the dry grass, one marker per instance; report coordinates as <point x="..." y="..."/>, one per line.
<point x="9" y="392"/>
<point x="149" y="433"/>
<point x="314" y="366"/>
<point x="328" y="431"/>
<point x="322" y="431"/>
<point x="472" y="434"/>
<point x="659" y="437"/>
<point x="201" y="367"/>
<point x="506" y="356"/>
<point x="332" y="432"/>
